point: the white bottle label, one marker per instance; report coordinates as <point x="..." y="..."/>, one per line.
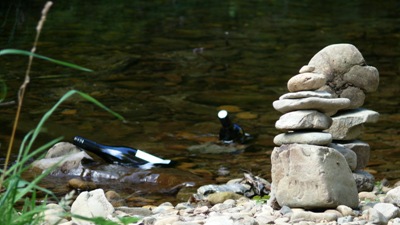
<point x="151" y="158"/>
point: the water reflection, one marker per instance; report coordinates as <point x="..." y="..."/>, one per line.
<point x="146" y="69"/>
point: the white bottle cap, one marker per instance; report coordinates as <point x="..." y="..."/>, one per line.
<point x="222" y="114"/>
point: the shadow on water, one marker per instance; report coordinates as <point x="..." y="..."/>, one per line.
<point x="168" y="65"/>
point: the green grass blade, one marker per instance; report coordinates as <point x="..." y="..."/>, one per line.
<point x="18" y="167"/>
<point x="62" y="99"/>
<point x="23" y="52"/>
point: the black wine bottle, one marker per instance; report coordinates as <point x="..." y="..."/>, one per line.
<point x="230" y="132"/>
<point x="118" y="154"/>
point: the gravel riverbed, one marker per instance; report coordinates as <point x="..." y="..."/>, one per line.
<point x="376" y="207"/>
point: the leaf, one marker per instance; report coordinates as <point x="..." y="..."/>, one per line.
<point x="128" y="220"/>
<point x="23" y="52"/>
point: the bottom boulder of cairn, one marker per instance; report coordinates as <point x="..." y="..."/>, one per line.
<point x="312" y="177"/>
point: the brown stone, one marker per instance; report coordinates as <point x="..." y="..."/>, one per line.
<point x="79" y="184"/>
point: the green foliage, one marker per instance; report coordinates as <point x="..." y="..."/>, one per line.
<point x="261" y="199"/>
<point x="378" y="187"/>
<point x="22" y="52"/>
<point x="17" y="189"/>
<point x="128" y="220"/>
<point x="18" y="203"/>
<point x="16" y="192"/>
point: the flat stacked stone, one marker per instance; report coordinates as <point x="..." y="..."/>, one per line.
<point x="305" y="117"/>
<point x="319" y="162"/>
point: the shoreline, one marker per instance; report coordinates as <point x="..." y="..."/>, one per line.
<point x="380" y="206"/>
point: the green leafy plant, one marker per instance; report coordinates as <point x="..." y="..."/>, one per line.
<point x="261" y="199"/>
<point x="18" y="202"/>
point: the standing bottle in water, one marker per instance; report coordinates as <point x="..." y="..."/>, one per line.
<point x="230" y="132"/>
<point x="119" y="154"/>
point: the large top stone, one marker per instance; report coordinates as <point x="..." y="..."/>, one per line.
<point x="343" y="63"/>
<point x="344" y="68"/>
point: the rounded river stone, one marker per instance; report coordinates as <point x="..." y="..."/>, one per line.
<point x="306" y="81"/>
<point x="303" y="119"/>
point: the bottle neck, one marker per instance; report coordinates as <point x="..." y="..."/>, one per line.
<point x="224" y="119"/>
<point x="87" y="144"/>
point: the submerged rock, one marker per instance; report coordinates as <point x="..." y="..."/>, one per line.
<point x="217" y="148"/>
<point x="89" y="176"/>
<point x="80" y="184"/>
<point x="63" y="157"/>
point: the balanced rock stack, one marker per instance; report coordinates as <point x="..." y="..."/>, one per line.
<point x="308" y="169"/>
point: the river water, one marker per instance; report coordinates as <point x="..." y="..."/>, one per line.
<point x="168" y="66"/>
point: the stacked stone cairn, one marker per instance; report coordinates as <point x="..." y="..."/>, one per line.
<point x="319" y="162"/>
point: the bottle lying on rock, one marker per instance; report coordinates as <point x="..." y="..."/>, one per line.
<point x="231" y="132"/>
<point x="119" y="154"/>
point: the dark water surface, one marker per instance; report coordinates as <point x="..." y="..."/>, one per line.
<point x="167" y="67"/>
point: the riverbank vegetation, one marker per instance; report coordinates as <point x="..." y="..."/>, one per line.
<point x="18" y="198"/>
